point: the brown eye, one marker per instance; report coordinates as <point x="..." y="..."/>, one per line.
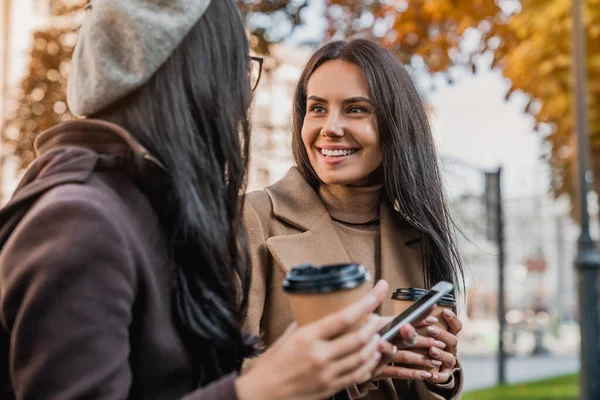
<point x="317" y="109"/>
<point x="356" y="110"/>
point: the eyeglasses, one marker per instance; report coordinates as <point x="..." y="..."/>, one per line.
<point x="255" y="71"/>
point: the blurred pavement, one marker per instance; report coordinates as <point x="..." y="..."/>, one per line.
<point x="481" y="371"/>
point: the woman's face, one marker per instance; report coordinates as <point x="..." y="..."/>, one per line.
<point x="340" y="129"/>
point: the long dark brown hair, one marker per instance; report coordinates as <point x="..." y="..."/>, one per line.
<point x="411" y="173"/>
<point x="193" y="116"/>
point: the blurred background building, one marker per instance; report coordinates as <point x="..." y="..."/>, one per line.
<point x="271" y="153"/>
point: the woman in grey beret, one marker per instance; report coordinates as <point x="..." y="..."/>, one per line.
<point x="123" y="265"/>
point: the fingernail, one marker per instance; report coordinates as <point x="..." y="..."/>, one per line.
<point x="377" y="356"/>
<point x="449" y="314"/>
<point x="375" y="318"/>
<point x="426" y="375"/>
<point x="434" y="377"/>
<point x="436" y="363"/>
<point x="435" y="352"/>
<point x="439" y="344"/>
<point x="431" y="320"/>
<point x="412" y="342"/>
<point x="433" y="330"/>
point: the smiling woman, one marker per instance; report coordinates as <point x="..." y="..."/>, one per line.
<point x="340" y="129"/>
<point x="366" y="189"/>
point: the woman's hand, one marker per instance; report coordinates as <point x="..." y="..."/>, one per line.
<point x="320" y="359"/>
<point x="409" y="364"/>
<point x="446" y="356"/>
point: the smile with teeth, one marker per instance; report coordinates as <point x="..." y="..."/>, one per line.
<point x="337" y="153"/>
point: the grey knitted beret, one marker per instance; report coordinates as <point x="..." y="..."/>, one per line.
<point x="122" y="43"/>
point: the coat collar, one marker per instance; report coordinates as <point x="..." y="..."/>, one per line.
<point x="69" y="153"/>
<point x="296" y="203"/>
<point x="100" y="136"/>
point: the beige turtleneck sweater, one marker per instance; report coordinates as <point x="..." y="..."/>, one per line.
<point x="355" y="215"/>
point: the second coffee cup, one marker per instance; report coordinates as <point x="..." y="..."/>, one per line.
<point x="405" y="297"/>
<point x="316" y="291"/>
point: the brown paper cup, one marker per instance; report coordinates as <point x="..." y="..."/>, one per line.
<point x="317" y="291"/>
<point x="309" y="308"/>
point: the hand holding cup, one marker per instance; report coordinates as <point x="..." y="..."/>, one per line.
<point x="321" y="358"/>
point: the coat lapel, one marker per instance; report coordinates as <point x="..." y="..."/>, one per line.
<point x="296" y="203"/>
<point x="320" y="245"/>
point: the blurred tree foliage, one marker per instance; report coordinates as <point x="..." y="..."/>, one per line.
<point x="533" y="48"/>
<point x="40" y="100"/>
<point x="427" y="34"/>
<point x="530" y="40"/>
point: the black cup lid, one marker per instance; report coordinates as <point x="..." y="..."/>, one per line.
<point x="309" y="278"/>
<point x="414" y="294"/>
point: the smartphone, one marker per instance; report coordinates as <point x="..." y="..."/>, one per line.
<point x="414" y="312"/>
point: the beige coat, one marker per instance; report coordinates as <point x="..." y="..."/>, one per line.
<point x="288" y="225"/>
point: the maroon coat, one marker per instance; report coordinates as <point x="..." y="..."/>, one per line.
<point x="85" y="287"/>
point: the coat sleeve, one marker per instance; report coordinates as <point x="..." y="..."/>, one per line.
<point x="417" y="390"/>
<point x="425" y="390"/>
<point x="68" y="285"/>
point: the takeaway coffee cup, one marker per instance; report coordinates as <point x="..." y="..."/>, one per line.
<point x="316" y="291"/>
<point x="405" y="297"/>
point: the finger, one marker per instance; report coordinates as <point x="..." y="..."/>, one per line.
<point x="408" y="335"/>
<point x="355" y="360"/>
<point x="443" y="376"/>
<point x="384" y="321"/>
<point x="354" y="341"/>
<point x="444" y="336"/>
<point x="387" y="350"/>
<point x="413" y="359"/>
<point x="448" y="360"/>
<point x="357" y="367"/>
<point x="386" y="358"/>
<point x="289" y="330"/>
<point x="454" y="323"/>
<point x="380" y="291"/>
<point x="340" y="322"/>
<point x="365" y="373"/>
<point x="428" y="321"/>
<point x="423" y="342"/>
<point x="426" y="314"/>
<point x="399" y="372"/>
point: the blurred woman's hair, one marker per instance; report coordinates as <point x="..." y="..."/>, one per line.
<point x="193" y="116"/>
<point x="411" y="173"/>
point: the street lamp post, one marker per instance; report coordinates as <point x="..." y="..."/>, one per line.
<point x="494" y="232"/>
<point x="493" y="194"/>
<point x="588" y="258"/>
